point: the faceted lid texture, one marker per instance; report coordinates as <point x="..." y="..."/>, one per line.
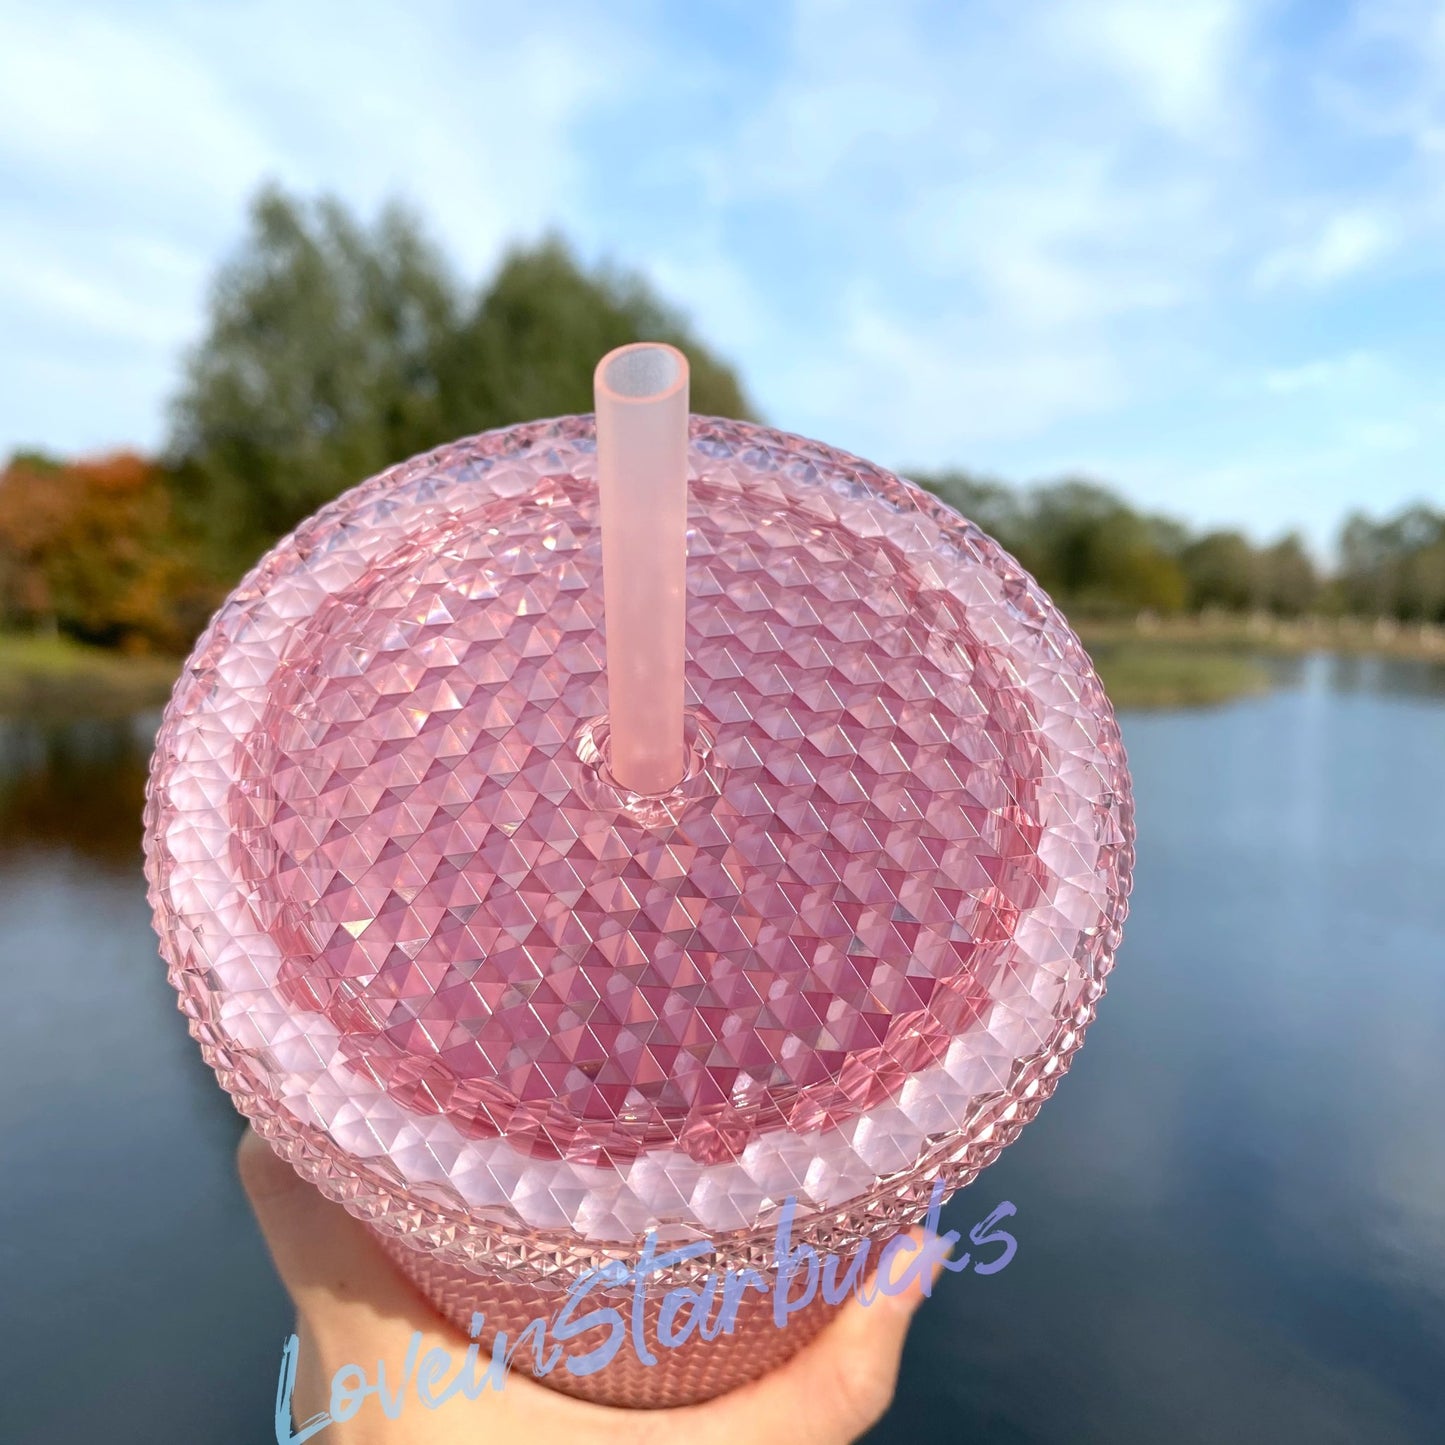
<point x="468" y="983"/>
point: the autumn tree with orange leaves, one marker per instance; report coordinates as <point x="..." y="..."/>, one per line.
<point x="92" y="549"/>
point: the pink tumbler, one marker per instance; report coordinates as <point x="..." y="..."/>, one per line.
<point x="636" y="826"/>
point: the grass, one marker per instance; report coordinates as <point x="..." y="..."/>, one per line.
<point x="1184" y="662"/>
<point x="1159" y="674"/>
<point x="57" y="677"/>
<point x="1262" y="633"/>
<point x="1201" y="660"/>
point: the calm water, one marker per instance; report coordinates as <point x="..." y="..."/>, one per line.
<point x="1231" y="1219"/>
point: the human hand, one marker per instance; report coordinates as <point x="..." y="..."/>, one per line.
<point x="353" y="1308"/>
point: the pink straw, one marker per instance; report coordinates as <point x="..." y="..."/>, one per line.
<point x="642" y="398"/>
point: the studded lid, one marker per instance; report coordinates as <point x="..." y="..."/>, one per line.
<point x="458" y="973"/>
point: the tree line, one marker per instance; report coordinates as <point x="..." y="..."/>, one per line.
<point x="1100" y="557"/>
<point x="333" y="349"/>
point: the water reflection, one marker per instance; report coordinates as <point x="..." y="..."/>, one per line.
<point x="1336" y="672"/>
<point x="78" y="785"/>
<point x="1232" y="1216"/>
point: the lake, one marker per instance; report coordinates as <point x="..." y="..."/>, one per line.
<point x="1231" y="1217"/>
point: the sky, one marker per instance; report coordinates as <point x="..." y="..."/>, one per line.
<point x="1193" y="248"/>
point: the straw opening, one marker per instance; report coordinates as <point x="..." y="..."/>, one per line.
<point x="640" y="373"/>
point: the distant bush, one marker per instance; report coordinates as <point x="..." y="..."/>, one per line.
<point x="1395" y="568"/>
<point x="1096" y="554"/>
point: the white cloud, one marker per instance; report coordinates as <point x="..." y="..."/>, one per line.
<point x="976" y="187"/>
<point x="126" y="113"/>
<point x="1343" y="244"/>
<point x="1028" y="237"/>
<point x="1383" y="435"/>
<point x="1179" y="56"/>
<point x="930" y="393"/>
<point x="860" y="87"/>
<point x="1066" y="243"/>
<point x="137" y="140"/>
<point x="1327" y="373"/>
<point x="480" y="134"/>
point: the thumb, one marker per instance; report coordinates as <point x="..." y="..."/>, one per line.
<point x="336" y="1274"/>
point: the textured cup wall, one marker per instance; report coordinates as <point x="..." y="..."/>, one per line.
<point x="516" y="1017"/>
<point x="687" y="1374"/>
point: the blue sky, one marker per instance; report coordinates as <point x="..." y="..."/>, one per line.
<point x="1193" y="247"/>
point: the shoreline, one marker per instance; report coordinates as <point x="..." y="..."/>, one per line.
<point x="1260" y="632"/>
<point x="1151" y="663"/>
<point x="54" y="679"/>
<point x="1145" y="663"/>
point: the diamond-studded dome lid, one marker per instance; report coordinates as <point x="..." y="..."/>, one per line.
<point x="414" y="919"/>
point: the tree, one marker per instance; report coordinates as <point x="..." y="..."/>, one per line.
<point x="1168" y="535"/>
<point x="1288" y="581"/>
<point x="93" y="549"/>
<point x="334" y="351"/>
<point x="1085" y="544"/>
<point x="1097" y="554"/>
<point x="318" y="368"/>
<point x="1136" y="576"/>
<point x="1220" y="571"/>
<point x="990" y="504"/>
<point x="1416" y="542"/>
<point x="1395" y="568"/>
<point x="531" y="343"/>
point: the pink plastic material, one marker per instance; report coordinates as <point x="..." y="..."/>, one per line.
<point x="515" y="1015"/>
<point x="695" y="1370"/>
<point x="641" y="394"/>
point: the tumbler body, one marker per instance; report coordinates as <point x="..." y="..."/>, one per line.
<point x="515" y="1017"/>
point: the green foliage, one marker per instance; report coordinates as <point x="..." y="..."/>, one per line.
<point x="334" y="351"/>
<point x="319" y="368"/>
<point x="531" y="343"/>
<point x="1288" y="583"/>
<point x="1221" y="572"/>
<point x="1085" y="545"/>
<point x="1098" y="554"/>
<point x="1395" y="567"/>
<point x="999" y="509"/>
<point x="1101" y="558"/>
